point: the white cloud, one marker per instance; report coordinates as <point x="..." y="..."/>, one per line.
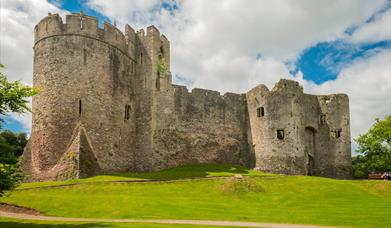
<point x="124" y="10"/>
<point x="17" y="21"/>
<point x="375" y="31"/>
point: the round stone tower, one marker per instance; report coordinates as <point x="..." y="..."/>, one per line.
<point x="85" y="109"/>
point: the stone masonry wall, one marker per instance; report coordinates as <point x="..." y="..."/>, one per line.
<point x="201" y="126"/>
<point x="316" y="132"/>
<point x="280" y="113"/>
<point x="83" y="80"/>
<point x="107" y="103"/>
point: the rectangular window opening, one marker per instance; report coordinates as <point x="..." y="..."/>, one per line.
<point x="85" y="56"/>
<point x="80" y="108"/>
<point x="158" y="82"/>
<point x="81" y="23"/>
<point x="127" y="112"/>
<point x="141" y="58"/>
<point x="280" y="134"/>
<point x="260" y="111"/>
<point x="338" y="133"/>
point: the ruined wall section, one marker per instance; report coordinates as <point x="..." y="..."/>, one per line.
<point x="181" y="128"/>
<point x="316" y="132"/>
<point x="311" y="135"/>
<point x="335" y="121"/>
<point x="86" y="78"/>
<point x="274" y="119"/>
<point x="202" y="126"/>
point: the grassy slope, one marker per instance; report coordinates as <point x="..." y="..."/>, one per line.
<point x="184" y="172"/>
<point x="20" y="223"/>
<point x="259" y="197"/>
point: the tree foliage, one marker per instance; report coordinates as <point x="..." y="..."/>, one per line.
<point x="161" y="66"/>
<point x="10" y="176"/>
<point x="13" y="98"/>
<point x="13" y="95"/>
<point x="374" y="148"/>
<point x="11" y="146"/>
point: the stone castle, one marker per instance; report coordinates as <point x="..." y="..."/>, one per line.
<point x="107" y="104"/>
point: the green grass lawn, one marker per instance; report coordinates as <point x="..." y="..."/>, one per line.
<point x="258" y="197"/>
<point x="20" y="223"/>
<point x="183" y="172"/>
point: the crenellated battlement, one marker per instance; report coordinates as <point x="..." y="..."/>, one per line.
<point x="207" y="93"/>
<point x="290" y="86"/>
<point x="79" y="24"/>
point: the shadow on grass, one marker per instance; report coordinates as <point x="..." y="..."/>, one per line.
<point x="188" y="171"/>
<point x="33" y="225"/>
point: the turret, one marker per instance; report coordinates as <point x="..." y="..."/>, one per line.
<point x="87" y="26"/>
<point x="88" y="99"/>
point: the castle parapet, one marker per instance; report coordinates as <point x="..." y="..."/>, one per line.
<point x="87" y="26"/>
<point x="287" y="86"/>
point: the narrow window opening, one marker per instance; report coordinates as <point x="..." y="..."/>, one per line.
<point x="280" y="134"/>
<point x="81" y="23"/>
<point x="338" y="133"/>
<point x="158" y="82"/>
<point x="85" y="56"/>
<point x="80" y="108"/>
<point x="141" y="58"/>
<point x="161" y="53"/>
<point x="260" y="111"/>
<point x="127" y="112"/>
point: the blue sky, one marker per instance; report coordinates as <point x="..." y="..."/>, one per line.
<point x="324" y="61"/>
<point x="341" y="46"/>
<point x="12" y="124"/>
<point x="76" y="6"/>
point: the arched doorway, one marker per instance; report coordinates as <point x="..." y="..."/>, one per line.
<point x="309" y="150"/>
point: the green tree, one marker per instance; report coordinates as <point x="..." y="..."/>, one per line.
<point x="17" y="141"/>
<point x="13" y="98"/>
<point x="11" y="146"/>
<point x="10" y="176"/>
<point x="374" y="148"/>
